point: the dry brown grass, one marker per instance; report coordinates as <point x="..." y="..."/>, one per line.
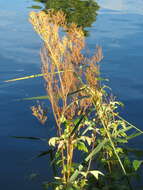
<point x="66" y="67"/>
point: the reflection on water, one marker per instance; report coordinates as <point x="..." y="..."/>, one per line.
<point x="83" y="13"/>
<point x="112" y="4"/>
<point x="128" y="6"/>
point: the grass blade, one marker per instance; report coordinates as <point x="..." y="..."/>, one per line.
<point x="32" y="76"/>
<point x="23" y="78"/>
<point x="29" y="138"/>
<point x="96" y="150"/>
<point x="74" y="92"/>
<point x="44" y="153"/>
<point x="37" y="98"/>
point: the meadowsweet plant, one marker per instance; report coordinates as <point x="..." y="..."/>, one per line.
<point x="62" y="61"/>
<point x="87" y="122"/>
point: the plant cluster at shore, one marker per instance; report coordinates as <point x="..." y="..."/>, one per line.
<point x="86" y="116"/>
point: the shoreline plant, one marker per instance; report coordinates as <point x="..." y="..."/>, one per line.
<point x="87" y="120"/>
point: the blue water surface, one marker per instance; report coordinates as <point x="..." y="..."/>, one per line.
<point x="118" y="29"/>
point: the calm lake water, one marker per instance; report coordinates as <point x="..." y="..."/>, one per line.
<point x="118" y="29"/>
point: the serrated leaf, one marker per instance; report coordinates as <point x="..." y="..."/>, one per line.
<point x="121" y="140"/>
<point x="118" y="132"/>
<point x="81" y="146"/>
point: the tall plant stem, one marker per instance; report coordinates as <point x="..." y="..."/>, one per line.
<point x="97" y="103"/>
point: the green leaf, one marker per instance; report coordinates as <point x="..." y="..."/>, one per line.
<point x="84" y="174"/>
<point x="120" y="140"/>
<point x="102" y="79"/>
<point x="76" y="173"/>
<point x="62" y="119"/>
<point x="81" y="146"/>
<point x="134" y="135"/>
<point x="93" y="153"/>
<point x="134" y="127"/>
<point x="53" y="140"/>
<point x="96" y="173"/>
<point x="118" y="132"/>
<point x="87" y="139"/>
<point x="89" y="128"/>
<point x="136" y="164"/>
<point x="77" y="124"/>
<point x="69" y="188"/>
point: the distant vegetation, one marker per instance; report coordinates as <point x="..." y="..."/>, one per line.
<point x="82" y="13"/>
